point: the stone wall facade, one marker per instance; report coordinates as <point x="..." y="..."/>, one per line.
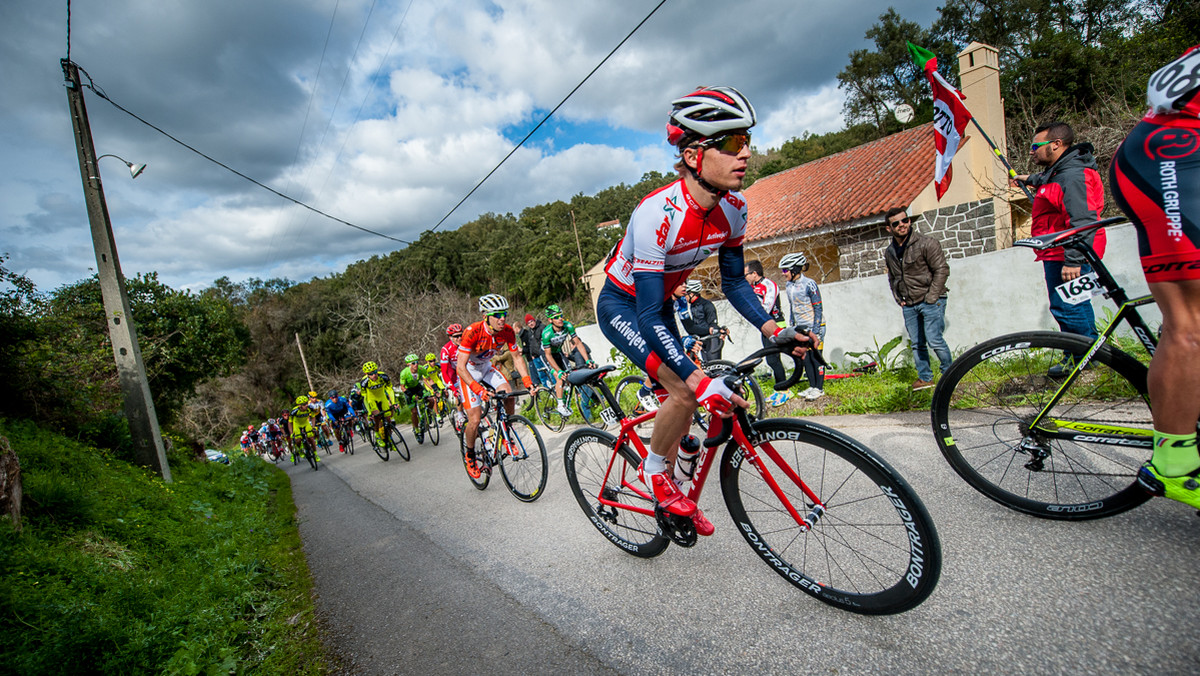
<point x="962" y="229"/>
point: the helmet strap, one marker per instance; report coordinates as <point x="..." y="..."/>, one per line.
<point x="708" y="187"/>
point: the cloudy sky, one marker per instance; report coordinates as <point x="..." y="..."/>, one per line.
<point x="384" y="113"/>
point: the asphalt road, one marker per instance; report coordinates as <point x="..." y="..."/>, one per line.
<point x="418" y="572"/>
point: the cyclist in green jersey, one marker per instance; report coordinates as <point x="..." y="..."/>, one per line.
<point x="557" y="339"/>
<point x="412" y="382"/>
<point x="300" y="421"/>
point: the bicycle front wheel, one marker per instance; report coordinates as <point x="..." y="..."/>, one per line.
<point x="310" y="454"/>
<point x="399" y="445"/>
<point x="871" y="547"/>
<point x="546" y="405"/>
<point x="432" y="432"/>
<point x="1081" y="457"/>
<point x="523" y="462"/>
<point x="587" y="459"/>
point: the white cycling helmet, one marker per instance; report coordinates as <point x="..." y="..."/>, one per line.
<point x="792" y="261"/>
<point x="693" y="286"/>
<point x="708" y="112"/>
<point x="493" y="302"/>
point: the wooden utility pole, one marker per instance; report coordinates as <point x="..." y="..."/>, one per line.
<point x="303" y="361"/>
<point x="582" y="271"/>
<point x="131" y="370"/>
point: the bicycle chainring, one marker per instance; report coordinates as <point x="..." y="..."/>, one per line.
<point x="680" y="529"/>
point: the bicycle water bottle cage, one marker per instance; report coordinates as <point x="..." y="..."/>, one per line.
<point x="586" y="376"/>
<point x="681" y="529"/>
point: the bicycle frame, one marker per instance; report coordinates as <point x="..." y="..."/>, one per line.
<point x="717" y="437"/>
<point x="1126" y="312"/>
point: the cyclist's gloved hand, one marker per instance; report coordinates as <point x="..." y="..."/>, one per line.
<point x="478" y="390"/>
<point x="714" y="395"/>
<point x="591" y="364"/>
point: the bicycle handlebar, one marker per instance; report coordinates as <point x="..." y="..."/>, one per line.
<point x="1074" y="238"/>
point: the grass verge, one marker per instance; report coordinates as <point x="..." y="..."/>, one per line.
<point x="116" y="571"/>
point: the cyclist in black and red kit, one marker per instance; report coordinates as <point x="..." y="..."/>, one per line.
<point x="670" y="233"/>
<point x="1155" y="178"/>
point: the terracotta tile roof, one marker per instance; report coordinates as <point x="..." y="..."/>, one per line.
<point x="608" y="224"/>
<point x="853" y="184"/>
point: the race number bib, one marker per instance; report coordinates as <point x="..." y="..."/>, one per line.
<point x="1080" y="289"/>
<point x="1172" y="81"/>
<point x="609" y="416"/>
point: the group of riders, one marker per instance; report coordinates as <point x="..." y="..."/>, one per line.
<point x="460" y="378"/>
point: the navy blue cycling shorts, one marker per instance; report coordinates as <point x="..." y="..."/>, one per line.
<point x="616" y="311"/>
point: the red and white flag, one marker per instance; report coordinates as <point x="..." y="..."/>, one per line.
<point x="950" y="117"/>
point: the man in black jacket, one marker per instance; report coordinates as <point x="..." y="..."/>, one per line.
<point x="917" y="273"/>
<point x="702" y="321"/>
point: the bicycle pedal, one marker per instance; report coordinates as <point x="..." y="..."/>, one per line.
<point x="680" y="529"/>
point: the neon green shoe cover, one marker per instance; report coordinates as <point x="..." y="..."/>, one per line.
<point x="1185" y="489"/>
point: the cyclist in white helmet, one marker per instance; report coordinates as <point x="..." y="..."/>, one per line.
<point x="480" y="342"/>
<point x="670" y="233"/>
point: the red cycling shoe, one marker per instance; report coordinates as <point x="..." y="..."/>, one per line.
<point x="703" y="525"/>
<point x="667" y="494"/>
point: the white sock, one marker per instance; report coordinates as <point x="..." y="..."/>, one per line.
<point x="654" y="463"/>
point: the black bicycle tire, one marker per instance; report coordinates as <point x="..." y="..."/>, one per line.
<point x="585" y="459"/>
<point x="485" y="477"/>
<point x="525" y="464"/>
<point x="626" y="394"/>
<point x="432" y="429"/>
<point x="379" y="445"/>
<point x="395" y="433"/>
<point x="1100" y="494"/>
<point x="875" y="548"/>
<point x="545" y="403"/>
<point x="754" y="396"/>
<point x="592" y="419"/>
<point x="310" y="454"/>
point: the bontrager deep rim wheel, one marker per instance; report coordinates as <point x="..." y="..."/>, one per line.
<point x="628" y="395"/>
<point x="1080" y="461"/>
<point x="586" y="459"/>
<point x="380" y="445"/>
<point x="480" y="482"/>
<point x="523" y="462"/>
<point x="590" y="402"/>
<point x="546" y="405"/>
<point x="873" y="550"/>
<point x="399" y="445"/>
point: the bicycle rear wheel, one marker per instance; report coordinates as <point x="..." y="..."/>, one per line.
<point x="1080" y="461"/>
<point x="485" y="476"/>
<point x="523" y="462"/>
<point x="751" y="390"/>
<point x="590" y="403"/>
<point x="586" y="459"/>
<point x="546" y="405"/>
<point x="872" y="550"/>
<point x="634" y="402"/>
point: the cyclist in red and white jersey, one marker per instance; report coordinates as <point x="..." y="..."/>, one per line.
<point x="448" y="361"/>
<point x="768" y="294"/>
<point x="1155" y="178"/>
<point x="670" y="233"/>
<point x="480" y="342"/>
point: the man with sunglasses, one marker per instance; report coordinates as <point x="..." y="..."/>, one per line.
<point x="480" y="342"/>
<point x="917" y="273"/>
<point x="1068" y="194"/>
<point x="448" y="360"/>
<point x="669" y="234"/>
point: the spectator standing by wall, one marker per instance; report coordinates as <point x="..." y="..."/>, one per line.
<point x="1068" y="195"/>
<point x="917" y="273"/>
<point x="531" y="350"/>
<point x="702" y="321"/>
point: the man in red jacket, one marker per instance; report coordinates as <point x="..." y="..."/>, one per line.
<point x="1068" y="194"/>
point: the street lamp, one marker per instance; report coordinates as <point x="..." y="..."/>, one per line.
<point x="135" y="170"/>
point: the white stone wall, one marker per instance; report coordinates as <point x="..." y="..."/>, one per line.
<point x="990" y="294"/>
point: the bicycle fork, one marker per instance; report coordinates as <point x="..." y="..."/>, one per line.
<point x="747" y="452"/>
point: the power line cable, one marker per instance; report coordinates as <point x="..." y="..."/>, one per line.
<point x="100" y="92"/>
<point x="548" y="116"/>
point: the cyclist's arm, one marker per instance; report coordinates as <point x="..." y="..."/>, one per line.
<point x="463" y="375"/>
<point x="519" y="363"/>
<point x="738" y="291"/>
<point x="582" y="348"/>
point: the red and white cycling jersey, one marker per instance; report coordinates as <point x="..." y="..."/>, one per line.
<point x="768" y="294"/>
<point x="448" y="360"/>
<point x="481" y="346"/>
<point x="671" y="234"/>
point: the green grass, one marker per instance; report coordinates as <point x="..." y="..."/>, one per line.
<point x="116" y="571"/>
<point x="882" y="392"/>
